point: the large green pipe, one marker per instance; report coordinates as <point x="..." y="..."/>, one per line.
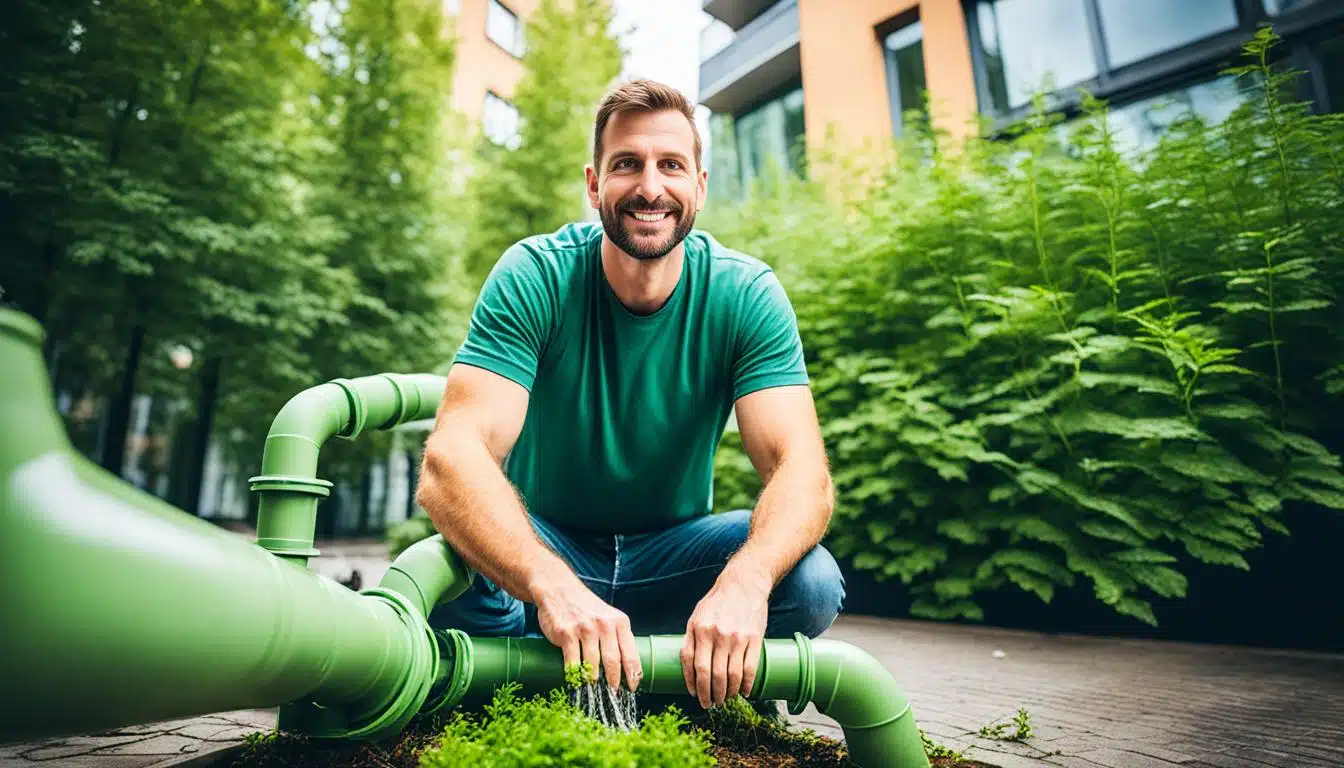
<point x="121" y="609"/>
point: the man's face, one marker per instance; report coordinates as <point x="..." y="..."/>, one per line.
<point x="648" y="187"/>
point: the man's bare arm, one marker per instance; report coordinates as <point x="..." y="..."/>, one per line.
<point x="471" y="502"/>
<point x="782" y="438"/>
<point x="724" y="635"/>
<point x="464" y="491"/>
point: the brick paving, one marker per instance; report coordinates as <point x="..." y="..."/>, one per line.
<point x="1094" y="702"/>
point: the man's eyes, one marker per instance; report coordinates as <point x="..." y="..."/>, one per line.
<point x="627" y="163"/>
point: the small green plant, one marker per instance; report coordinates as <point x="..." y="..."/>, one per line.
<point x="545" y="731"/>
<point x="936" y="750"/>
<point x="1021" y="728"/>
<point x="579" y="674"/>
<point x="261" y="738"/>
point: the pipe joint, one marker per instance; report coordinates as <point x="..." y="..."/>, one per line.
<point x="807" y="674"/>
<point x="358" y="413"/>
<point x="375" y="720"/>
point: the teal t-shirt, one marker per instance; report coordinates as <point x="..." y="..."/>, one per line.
<point x="626" y="410"/>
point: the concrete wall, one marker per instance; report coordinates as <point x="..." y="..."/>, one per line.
<point x="844" y="72"/>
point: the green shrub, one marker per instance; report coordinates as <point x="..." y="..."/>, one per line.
<point x="408" y="532"/>
<point x="549" y="731"/>
<point x="1040" y="358"/>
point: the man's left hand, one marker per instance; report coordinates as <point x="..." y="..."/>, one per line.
<point x="724" y="636"/>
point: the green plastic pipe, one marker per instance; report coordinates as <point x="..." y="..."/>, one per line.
<point x="288" y="486"/>
<point x="120" y="609"/>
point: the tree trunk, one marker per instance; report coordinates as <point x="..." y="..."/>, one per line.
<point x="119" y="414"/>
<point x="205" y="418"/>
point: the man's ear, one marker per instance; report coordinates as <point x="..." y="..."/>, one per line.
<point x="590" y="175"/>
<point x="702" y="182"/>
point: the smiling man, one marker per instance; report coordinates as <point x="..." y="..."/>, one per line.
<point x="571" y="463"/>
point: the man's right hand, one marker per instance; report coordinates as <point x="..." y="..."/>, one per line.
<point x="588" y="629"/>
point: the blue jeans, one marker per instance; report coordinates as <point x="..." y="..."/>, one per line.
<point x="656" y="579"/>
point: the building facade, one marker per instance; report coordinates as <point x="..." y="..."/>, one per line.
<point x="489" y="63"/>
<point x="780" y="75"/>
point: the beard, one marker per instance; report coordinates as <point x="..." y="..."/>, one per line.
<point x="644" y="248"/>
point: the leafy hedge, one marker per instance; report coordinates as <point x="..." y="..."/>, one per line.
<point x="1039" y="358"/>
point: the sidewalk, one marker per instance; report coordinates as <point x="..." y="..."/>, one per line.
<point x="1094" y="702"/>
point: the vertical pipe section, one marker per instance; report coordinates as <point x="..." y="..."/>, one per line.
<point x="288" y="486"/>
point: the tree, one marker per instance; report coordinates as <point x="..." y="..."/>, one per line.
<point x="572" y="57"/>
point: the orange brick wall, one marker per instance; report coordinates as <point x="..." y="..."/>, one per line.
<point x="481" y="64"/>
<point x="844" y="73"/>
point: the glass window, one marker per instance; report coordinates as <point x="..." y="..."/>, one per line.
<point x="1331" y="56"/>
<point x="503" y="27"/>
<point x="1140" y="125"/>
<point x="769" y="138"/>
<point x="905" y="72"/>
<point x="1031" y="45"/>
<point x="1137" y="29"/>
<point x="500" y="121"/>
<point x="1275" y="7"/>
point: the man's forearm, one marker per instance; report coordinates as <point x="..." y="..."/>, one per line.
<point x="471" y="502"/>
<point x="789" y="520"/>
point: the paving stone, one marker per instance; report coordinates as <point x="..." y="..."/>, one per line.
<point x="76" y="745"/>
<point x="1117" y="758"/>
<point x="164" y="744"/>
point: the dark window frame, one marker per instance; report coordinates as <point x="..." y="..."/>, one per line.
<point x="1201" y="60"/>
<point x="896" y="24"/>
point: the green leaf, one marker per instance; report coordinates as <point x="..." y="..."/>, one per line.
<point x="1212" y="553"/>
<point x="1111" y="532"/>
<point x="1165" y="581"/>
<point x="1031" y="582"/>
<point x="1137" y="382"/>
<point x="1263" y="500"/>
<point x="1139" y="609"/>
<point x="1142" y="555"/>
<point x="962" y="530"/>
<point x="1212" y="464"/>
<point x="1131" y="428"/>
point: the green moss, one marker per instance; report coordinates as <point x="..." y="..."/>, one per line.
<point x="549" y="731"/>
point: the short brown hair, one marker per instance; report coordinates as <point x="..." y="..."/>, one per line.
<point x="641" y="96"/>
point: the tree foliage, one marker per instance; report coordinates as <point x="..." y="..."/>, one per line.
<point x="537" y="186"/>
<point x="1042" y="361"/>
<point x="254" y="180"/>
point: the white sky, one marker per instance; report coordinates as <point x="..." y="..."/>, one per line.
<point x="663" y="44"/>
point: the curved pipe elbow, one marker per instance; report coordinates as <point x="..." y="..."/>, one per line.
<point x="427" y="573"/>
<point x="860" y="694"/>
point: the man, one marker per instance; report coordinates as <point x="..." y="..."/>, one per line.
<point x="572" y="457"/>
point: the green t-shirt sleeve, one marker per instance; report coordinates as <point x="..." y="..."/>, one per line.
<point x="769" y="350"/>
<point x="511" y="322"/>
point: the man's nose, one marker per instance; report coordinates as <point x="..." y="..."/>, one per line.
<point x="650" y="182"/>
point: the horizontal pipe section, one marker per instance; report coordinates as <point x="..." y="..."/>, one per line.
<point x="117" y="615"/>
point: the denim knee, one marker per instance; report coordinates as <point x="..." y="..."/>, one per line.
<point x="809" y="598"/>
